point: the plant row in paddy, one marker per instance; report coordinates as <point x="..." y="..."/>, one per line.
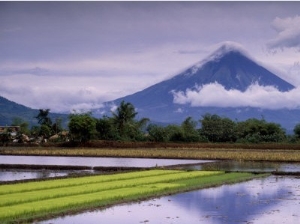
<point x="25" y="202"/>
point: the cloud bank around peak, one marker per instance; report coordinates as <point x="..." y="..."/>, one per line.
<point x="215" y="95"/>
<point x="288" y="33"/>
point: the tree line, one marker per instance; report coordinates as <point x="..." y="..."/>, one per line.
<point x="123" y="125"/>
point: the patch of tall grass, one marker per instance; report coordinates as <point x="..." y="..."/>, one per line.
<point x="25" y="202"/>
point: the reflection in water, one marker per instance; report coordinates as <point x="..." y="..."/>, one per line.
<point x="248" y="166"/>
<point x="93" y="161"/>
<point x="12" y="175"/>
<point x="269" y="200"/>
<point x="236" y="203"/>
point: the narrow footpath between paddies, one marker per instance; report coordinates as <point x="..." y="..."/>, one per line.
<point x="26" y="202"/>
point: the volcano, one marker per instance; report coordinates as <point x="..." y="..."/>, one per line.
<point x="230" y="67"/>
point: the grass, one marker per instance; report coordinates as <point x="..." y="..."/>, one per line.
<point x="267" y="152"/>
<point x="25" y="202"/>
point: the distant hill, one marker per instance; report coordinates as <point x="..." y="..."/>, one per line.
<point x="10" y="110"/>
<point x="228" y="66"/>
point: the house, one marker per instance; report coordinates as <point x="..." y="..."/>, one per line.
<point x="10" y="129"/>
<point x="8" y="133"/>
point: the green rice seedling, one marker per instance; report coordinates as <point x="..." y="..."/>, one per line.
<point x="24" y="204"/>
<point x="21" y="197"/>
<point x="42" y="185"/>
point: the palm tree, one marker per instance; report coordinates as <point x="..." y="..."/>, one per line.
<point x="123" y="116"/>
<point x="43" y="118"/>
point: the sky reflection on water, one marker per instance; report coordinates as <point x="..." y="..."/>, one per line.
<point x="93" y="161"/>
<point x="270" y="200"/>
<point x="248" y="166"/>
<point x="20" y="174"/>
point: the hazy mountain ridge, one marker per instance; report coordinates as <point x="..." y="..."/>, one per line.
<point x="10" y="110"/>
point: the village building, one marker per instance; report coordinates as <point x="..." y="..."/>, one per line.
<point x="10" y="129"/>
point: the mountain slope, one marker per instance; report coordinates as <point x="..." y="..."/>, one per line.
<point x="10" y="110"/>
<point x="228" y="66"/>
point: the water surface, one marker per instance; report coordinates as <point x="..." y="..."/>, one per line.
<point x="274" y="199"/>
<point x="93" y="161"/>
<point x="21" y="174"/>
<point x="248" y="166"/>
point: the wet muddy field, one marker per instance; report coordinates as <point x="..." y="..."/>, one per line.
<point x="35" y="167"/>
<point x="14" y="168"/>
<point x="92" y="161"/>
<point x="275" y="199"/>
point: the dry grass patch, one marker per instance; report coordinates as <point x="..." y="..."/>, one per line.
<point x="271" y="154"/>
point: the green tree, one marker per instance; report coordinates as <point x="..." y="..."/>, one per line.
<point x="127" y="126"/>
<point x="157" y="133"/>
<point x="47" y="127"/>
<point x="82" y="127"/>
<point x="43" y="117"/>
<point x="189" y="129"/>
<point x="106" y="129"/>
<point x="5" y="136"/>
<point x="45" y="131"/>
<point x="57" y="126"/>
<point x="297" y="130"/>
<point x="123" y="116"/>
<point x="228" y="130"/>
<point x="136" y="129"/>
<point x="175" y="133"/>
<point x="35" y="131"/>
<point x="217" y="129"/>
<point x="254" y="130"/>
<point x="24" y="126"/>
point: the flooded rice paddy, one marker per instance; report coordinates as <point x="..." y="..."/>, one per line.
<point x="82" y="164"/>
<point x="92" y="161"/>
<point x="24" y="174"/>
<point x="275" y="199"/>
<point x="90" y="165"/>
<point x="248" y="166"/>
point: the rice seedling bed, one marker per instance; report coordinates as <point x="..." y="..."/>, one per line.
<point x="25" y="202"/>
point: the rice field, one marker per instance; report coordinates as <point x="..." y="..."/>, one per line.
<point x="26" y="202"/>
<point x="275" y="153"/>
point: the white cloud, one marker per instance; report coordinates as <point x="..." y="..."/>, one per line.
<point x="288" y="33"/>
<point x="57" y="94"/>
<point x="120" y="48"/>
<point x="179" y="110"/>
<point x="156" y="62"/>
<point x="105" y="78"/>
<point x="214" y="94"/>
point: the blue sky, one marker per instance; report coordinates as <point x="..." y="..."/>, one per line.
<point x="77" y="55"/>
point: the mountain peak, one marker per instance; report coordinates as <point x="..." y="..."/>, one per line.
<point x="223" y="49"/>
<point x="226" y="48"/>
<point x="229" y="66"/>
